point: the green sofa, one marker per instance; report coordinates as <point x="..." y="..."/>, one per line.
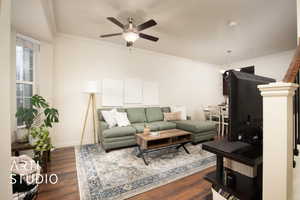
<point x="117" y="137"/>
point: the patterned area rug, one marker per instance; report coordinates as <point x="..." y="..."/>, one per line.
<point x="119" y="174"/>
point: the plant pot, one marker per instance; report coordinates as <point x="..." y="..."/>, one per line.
<point x="32" y="141"/>
<point x="22" y="135"/>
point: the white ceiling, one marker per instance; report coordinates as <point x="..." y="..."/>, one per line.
<point x="196" y="29"/>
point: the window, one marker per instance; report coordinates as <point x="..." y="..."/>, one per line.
<point x="25" y="61"/>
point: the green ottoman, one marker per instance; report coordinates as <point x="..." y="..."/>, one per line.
<point x="201" y="130"/>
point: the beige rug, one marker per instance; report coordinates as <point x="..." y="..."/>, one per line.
<point x="119" y="174"/>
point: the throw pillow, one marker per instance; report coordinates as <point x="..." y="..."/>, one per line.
<point x="122" y="119"/>
<point x="172" y="116"/>
<point x="109" y="117"/>
<point x="181" y="109"/>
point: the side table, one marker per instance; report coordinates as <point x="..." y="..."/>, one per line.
<point x="17" y="147"/>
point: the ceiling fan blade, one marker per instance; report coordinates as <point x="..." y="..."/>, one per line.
<point x="146" y="25"/>
<point x="109" y="35"/>
<point x="149" y="37"/>
<point x="116" y="22"/>
<point x="129" y="44"/>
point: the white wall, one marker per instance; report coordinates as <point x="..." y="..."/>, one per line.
<point x="44" y="71"/>
<point x="5" y="186"/>
<point x="77" y="60"/>
<point x="273" y="66"/>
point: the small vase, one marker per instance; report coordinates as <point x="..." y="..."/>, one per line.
<point x="146" y="131"/>
<point x="32" y="140"/>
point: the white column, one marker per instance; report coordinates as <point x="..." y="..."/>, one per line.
<point x="298" y="19"/>
<point x="278" y="140"/>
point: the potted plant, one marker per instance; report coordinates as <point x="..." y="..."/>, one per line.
<point x="38" y="119"/>
<point x="42" y="144"/>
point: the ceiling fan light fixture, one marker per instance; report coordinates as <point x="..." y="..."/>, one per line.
<point x="131" y="32"/>
<point x="130" y="36"/>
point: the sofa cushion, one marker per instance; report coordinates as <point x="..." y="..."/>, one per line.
<point x="198" y="137"/>
<point x="154" y="114"/>
<point x="122" y="143"/>
<point x="119" y="132"/>
<point x="139" y="127"/>
<point x="195" y="126"/>
<point x="161" y="125"/>
<point x="119" y="139"/>
<point x="136" y="115"/>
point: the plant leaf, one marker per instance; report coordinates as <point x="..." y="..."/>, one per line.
<point x="39" y="101"/>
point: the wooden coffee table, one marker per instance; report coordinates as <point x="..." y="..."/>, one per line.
<point x="167" y="139"/>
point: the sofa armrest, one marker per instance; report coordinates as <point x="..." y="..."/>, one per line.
<point x="101" y="127"/>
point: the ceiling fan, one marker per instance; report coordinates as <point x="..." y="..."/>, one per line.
<point x="132" y="32"/>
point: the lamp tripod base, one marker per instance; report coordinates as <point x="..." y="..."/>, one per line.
<point x="91" y="105"/>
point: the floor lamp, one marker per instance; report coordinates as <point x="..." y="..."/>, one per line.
<point x="92" y="90"/>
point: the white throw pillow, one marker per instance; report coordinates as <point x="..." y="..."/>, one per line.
<point x="181" y="109"/>
<point x="122" y="119"/>
<point x="109" y="117"/>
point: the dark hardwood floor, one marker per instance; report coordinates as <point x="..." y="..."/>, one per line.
<point x="63" y="164"/>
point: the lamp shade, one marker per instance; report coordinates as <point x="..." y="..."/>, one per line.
<point x="92" y="87"/>
<point x="130" y="36"/>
